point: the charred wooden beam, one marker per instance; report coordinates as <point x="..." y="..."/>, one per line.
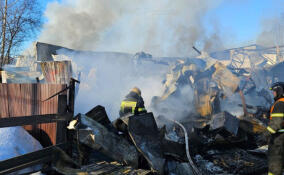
<point x="196" y="50"/>
<point x="27" y="160"/>
<point x="32" y="120"/>
<point x="61" y="127"/>
<point x="70" y="108"/>
<point x="111" y="144"/>
<point x="71" y="101"/>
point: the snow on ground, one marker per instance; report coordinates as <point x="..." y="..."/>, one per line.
<point x="16" y="141"/>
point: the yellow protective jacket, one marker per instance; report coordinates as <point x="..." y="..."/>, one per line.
<point x="133" y="103"/>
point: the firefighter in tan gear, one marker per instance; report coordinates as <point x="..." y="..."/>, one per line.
<point x="133" y="103"/>
<point x="276" y="130"/>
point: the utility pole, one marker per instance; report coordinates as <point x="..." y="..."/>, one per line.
<point x="3" y="34"/>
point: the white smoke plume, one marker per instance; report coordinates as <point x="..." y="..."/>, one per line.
<point x="177" y="107"/>
<point x="161" y="27"/>
<point x="106" y="78"/>
<point x="272" y="33"/>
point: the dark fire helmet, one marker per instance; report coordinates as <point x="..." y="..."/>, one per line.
<point x="278" y="87"/>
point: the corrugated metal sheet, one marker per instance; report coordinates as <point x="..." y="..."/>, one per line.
<point x="27" y="100"/>
<point x="57" y="72"/>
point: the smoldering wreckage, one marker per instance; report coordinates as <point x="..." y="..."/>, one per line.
<point x="219" y="131"/>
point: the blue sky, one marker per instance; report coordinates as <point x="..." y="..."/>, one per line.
<point x="242" y="19"/>
<point x="238" y="21"/>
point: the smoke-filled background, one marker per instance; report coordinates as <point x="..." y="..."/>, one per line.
<point x="161" y="28"/>
<point x="272" y="31"/>
<point x="107" y="77"/>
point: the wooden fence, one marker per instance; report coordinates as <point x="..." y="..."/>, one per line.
<point x="22" y="104"/>
<point x="45" y="118"/>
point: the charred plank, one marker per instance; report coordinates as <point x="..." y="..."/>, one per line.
<point x="31" y="120"/>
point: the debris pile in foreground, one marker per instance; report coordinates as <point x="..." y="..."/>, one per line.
<point x="209" y="119"/>
<point x="143" y="148"/>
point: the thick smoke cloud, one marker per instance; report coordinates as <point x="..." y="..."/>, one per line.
<point x="272" y="33"/>
<point x="107" y="77"/>
<point x="161" y="27"/>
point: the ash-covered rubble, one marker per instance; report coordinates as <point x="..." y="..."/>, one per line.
<point x="142" y="147"/>
<point x="207" y="140"/>
<point x="225" y="113"/>
<point x="209" y="119"/>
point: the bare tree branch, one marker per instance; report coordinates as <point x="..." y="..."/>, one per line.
<point x="3" y="34"/>
<point x="23" y="20"/>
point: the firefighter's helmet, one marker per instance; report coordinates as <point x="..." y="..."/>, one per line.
<point x="278" y="87"/>
<point x="136" y="90"/>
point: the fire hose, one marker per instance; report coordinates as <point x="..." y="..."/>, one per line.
<point x="195" y="170"/>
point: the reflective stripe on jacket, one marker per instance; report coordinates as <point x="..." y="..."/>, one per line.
<point x="130" y="106"/>
<point x="276" y="117"/>
<point x="133" y="103"/>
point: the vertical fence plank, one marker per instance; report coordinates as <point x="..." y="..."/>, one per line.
<point x="37" y="92"/>
<point x="42" y="106"/>
<point x="49" y="107"/>
<point x="27" y="103"/>
<point x="4" y="112"/>
<point x="14" y="100"/>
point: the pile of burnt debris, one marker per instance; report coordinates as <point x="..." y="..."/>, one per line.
<point x="136" y="146"/>
<point x="227" y="112"/>
<point x="218" y="133"/>
<point x="222" y="147"/>
<point x="209" y="120"/>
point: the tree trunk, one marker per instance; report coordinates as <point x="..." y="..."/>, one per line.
<point x="7" y="57"/>
<point x="3" y="34"/>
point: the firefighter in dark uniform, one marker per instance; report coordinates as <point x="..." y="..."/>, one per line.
<point x="133" y="103"/>
<point x="276" y="130"/>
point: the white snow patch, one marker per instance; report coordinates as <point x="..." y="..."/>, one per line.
<point x="16" y="141"/>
